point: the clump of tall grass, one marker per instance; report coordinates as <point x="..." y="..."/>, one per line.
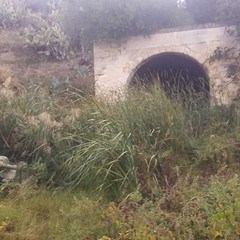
<point x="140" y="141"/>
<point x="125" y="142"/>
<point x="29" y="120"/>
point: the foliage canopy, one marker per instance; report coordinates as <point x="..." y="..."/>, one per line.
<point x="202" y="11"/>
<point x="76" y="23"/>
<point x="104" y="19"/>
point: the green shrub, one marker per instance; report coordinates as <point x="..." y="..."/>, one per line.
<point x="10" y="14"/>
<point x="46" y="36"/>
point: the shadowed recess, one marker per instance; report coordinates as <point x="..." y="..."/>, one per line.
<point x="176" y="73"/>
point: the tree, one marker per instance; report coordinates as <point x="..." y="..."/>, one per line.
<point x="115" y="19"/>
<point x="228" y="12"/>
<point x="203" y="11"/>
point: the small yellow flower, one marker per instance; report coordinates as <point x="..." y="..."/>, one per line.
<point x="3" y="225"/>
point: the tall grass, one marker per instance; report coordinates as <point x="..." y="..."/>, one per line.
<point x="27" y="125"/>
<point x="124" y="142"/>
<point x="140" y="142"/>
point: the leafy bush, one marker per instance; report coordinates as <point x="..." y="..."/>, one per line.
<point x="10" y="14"/>
<point x="46" y="36"/>
<point x="112" y="20"/>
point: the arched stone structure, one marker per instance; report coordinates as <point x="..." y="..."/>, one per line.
<point x="115" y="64"/>
<point x="176" y="72"/>
<point x="160" y="65"/>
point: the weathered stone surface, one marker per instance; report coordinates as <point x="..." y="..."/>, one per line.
<point x="115" y="64"/>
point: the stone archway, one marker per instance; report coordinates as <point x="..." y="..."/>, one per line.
<point x="174" y="71"/>
<point x="115" y="64"/>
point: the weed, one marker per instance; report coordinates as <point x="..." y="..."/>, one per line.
<point x="142" y="141"/>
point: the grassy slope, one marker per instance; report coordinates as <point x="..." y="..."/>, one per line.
<point x="171" y="170"/>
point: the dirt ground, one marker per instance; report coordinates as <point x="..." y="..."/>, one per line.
<point x="24" y="65"/>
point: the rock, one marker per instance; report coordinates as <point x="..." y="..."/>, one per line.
<point x="7" y="171"/>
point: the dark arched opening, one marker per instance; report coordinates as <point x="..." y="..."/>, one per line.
<point x="176" y="73"/>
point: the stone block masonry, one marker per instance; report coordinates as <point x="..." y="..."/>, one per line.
<point x="115" y="64"/>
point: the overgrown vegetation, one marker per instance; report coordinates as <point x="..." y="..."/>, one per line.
<point x="58" y="28"/>
<point x="187" y="210"/>
<point x="170" y="168"/>
<point x="116" y="147"/>
<point x="228" y="13"/>
<point x="139" y="166"/>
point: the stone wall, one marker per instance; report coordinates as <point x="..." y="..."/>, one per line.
<point x="115" y="64"/>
